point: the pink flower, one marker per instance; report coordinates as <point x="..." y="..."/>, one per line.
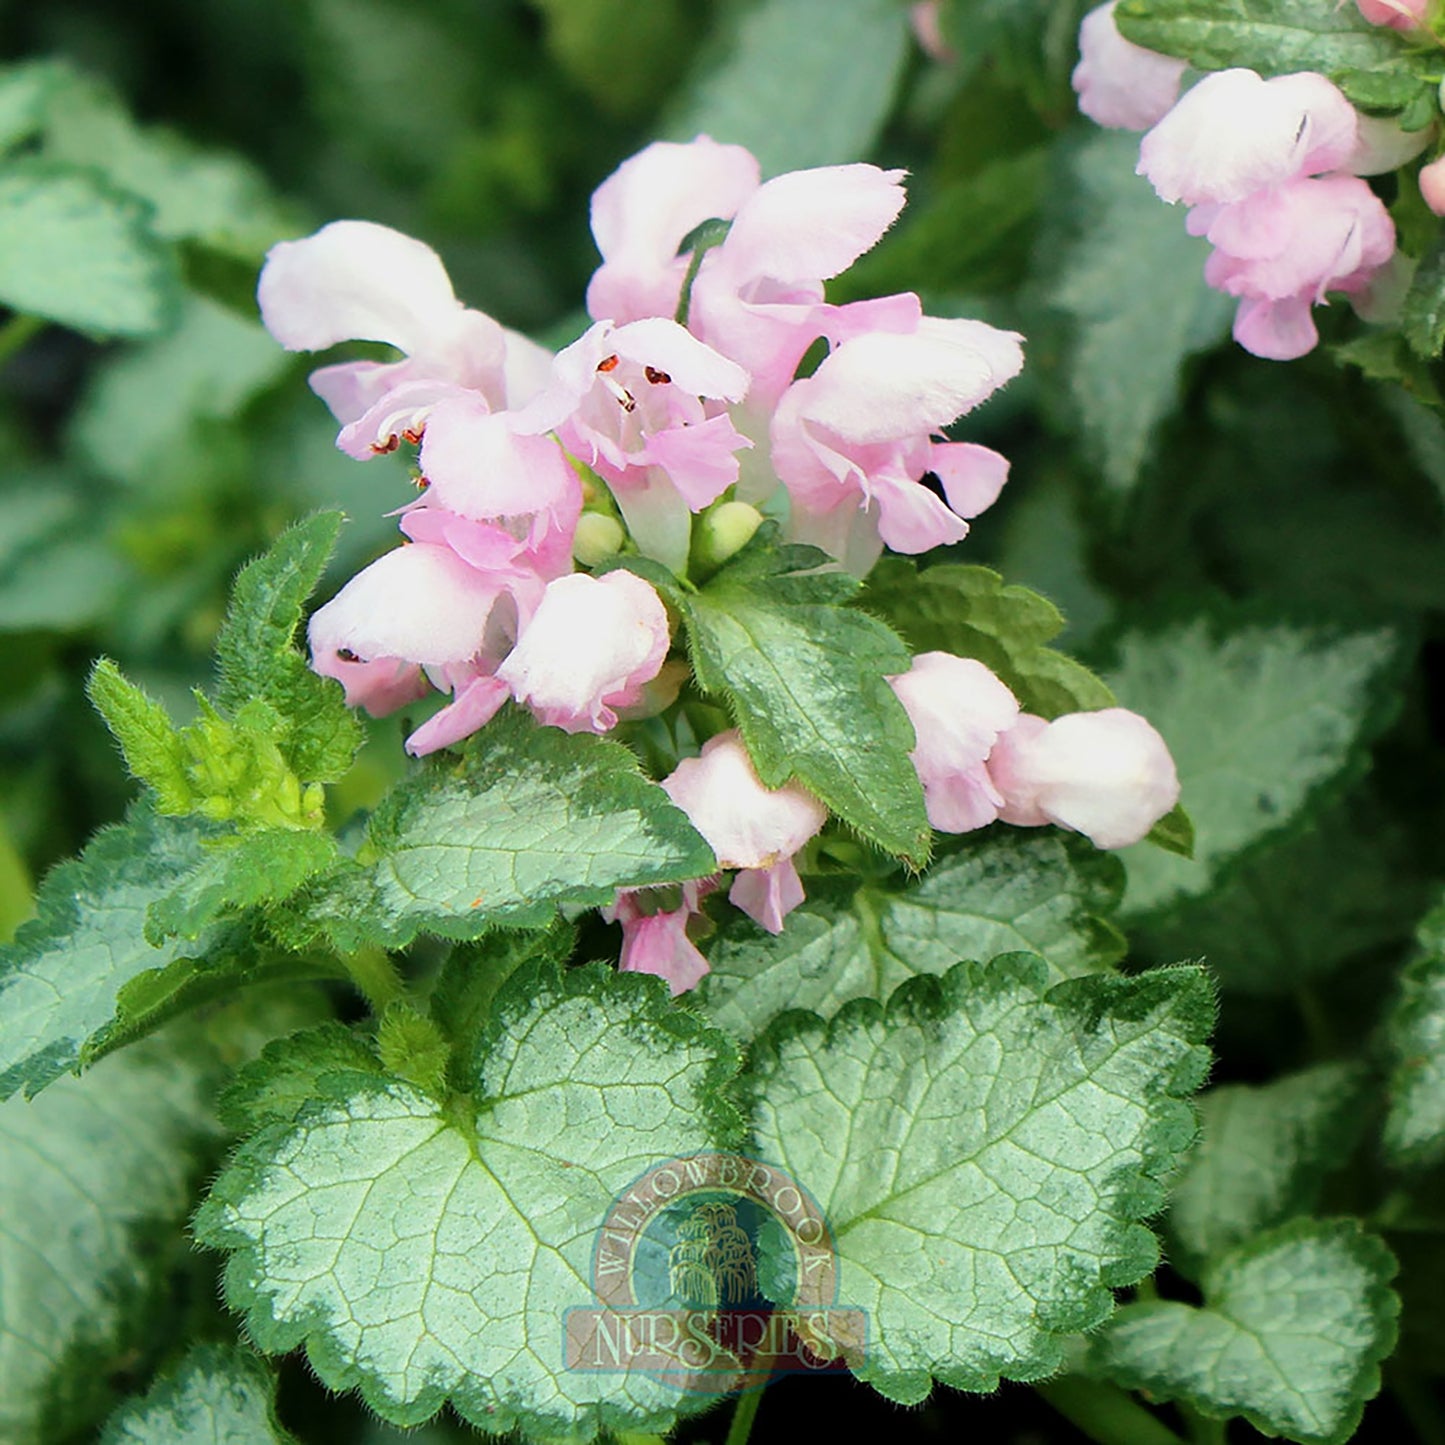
<point x="505" y="502"/>
<point x="591" y="647"/>
<point x="927" y="26"/>
<point x="657" y="943"/>
<point x="748" y="826"/>
<point x="1120" y="84"/>
<point x="958" y="708"/>
<point x="356" y="281"/>
<point x="1281" y="250"/>
<point x="1398" y="14"/>
<point x="1233" y="134"/>
<point x="1432" y="185"/>
<point x="642" y="405"/>
<point x="858" y="434"/>
<point x="1105" y="774"/>
<point x="645" y="208"/>
<point x="417" y="607"/>
<point x="758" y="296"/>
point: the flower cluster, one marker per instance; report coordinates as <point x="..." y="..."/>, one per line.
<point x="1270" y="170"/>
<point x="667" y="429"/>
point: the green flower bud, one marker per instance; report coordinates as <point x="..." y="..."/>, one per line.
<point x="597" y="537"/>
<point x="721" y="533"/>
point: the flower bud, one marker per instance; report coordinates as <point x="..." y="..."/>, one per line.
<point x="1105" y="774"/>
<point x="720" y="534"/>
<point x="1432" y="185"/>
<point x="1397" y="14"/>
<point x="598" y="536"/>
<point x="957" y="708"/>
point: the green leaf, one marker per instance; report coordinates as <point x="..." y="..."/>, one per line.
<point x="622" y="54"/>
<point x="257" y="658"/>
<point x="1349" y="881"/>
<point x="152" y="747"/>
<point x="984" y="1151"/>
<point x="585" y="1081"/>
<point x="971" y="612"/>
<point x="223" y="769"/>
<point x="95" y="1182"/>
<point x="1273" y="37"/>
<point x="59" y="571"/>
<point x="798" y="82"/>
<point x="238" y="873"/>
<point x="529" y="818"/>
<point x="60" y="979"/>
<point x="1174" y="832"/>
<point x="1130" y="278"/>
<point x="805" y="679"/>
<point x="24" y="91"/>
<point x="1291" y="1335"/>
<point x="141" y="404"/>
<point x="1301" y="702"/>
<point x="1263" y="1155"/>
<point x="1423" y="318"/>
<point x="959" y="236"/>
<point x="207" y="196"/>
<point x="74" y="250"/>
<point x="1002" y="891"/>
<point x="216" y="1395"/>
<point x="274" y="1088"/>
<point x="1415" y="1128"/>
<point x="473" y="975"/>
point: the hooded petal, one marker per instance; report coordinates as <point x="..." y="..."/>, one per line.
<point x="1105" y="774"/>
<point x="1234" y="133"/>
<point x="887" y="385"/>
<point x="591" y="646"/>
<point x="659" y="342"/>
<point x="355" y="281"/>
<point x="808" y="226"/>
<point x="1120" y="84"/>
<point x="420" y="603"/>
<point x="958" y="708"/>
<point x="746" y="824"/>
<point x="643" y="211"/>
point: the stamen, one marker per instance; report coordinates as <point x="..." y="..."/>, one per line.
<point x="657" y="378"/>
<point x="389" y="445"/>
<point x="608" y="363"/>
<point x="347" y="655"/>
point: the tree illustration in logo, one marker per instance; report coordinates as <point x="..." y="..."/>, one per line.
<point x="712" y="1264"/>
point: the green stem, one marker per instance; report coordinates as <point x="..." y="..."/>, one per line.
<point x="375" y="977"/>
<point x="741" y="1425"/>
<point x="16" y="332"/>
<point x="1202" y="1429"/>
<point x="1105" y="1413"/>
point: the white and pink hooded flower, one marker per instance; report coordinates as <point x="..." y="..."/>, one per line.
<point x="357" y="281"/>
<point x="644" y="405"/>
<point x="855" y="441"/>
<point x="758" y="295"/>
<point x="750" y="827"/>
<point x="1261" y="163"/>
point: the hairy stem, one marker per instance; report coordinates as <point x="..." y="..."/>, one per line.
<point x="1105" y="1413"/>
